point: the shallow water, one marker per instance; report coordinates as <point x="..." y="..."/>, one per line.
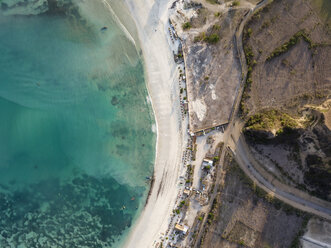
<point x="76" y="139"/>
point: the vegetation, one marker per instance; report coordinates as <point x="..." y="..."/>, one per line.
<point x="211" y="39"/>
<point x="186" y="25"/>
<point x="296" y="242"/>
<point x="260" y="193"/>
<point x="216" y="27"/>
<point x="190" y="172"/>
<point x="213" y="1"/>
<point x="251" y="62"/>
<point x="211" y="217"/>
<point x="292" y="42"/>
<point x="182" y="203"/>
<point x="271" y="119"/>
<point x="318" y="175"/>
<point x="235" y="3"/>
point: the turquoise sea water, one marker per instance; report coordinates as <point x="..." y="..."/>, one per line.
<point x="76" y="140"/>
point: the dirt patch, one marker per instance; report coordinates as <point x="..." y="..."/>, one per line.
<point x="212" y="66"/>
<point x="298" y="75"/>
<point x="318" y="232"/>
<point x="247" y="217"/>
<point x="327" y="117"/>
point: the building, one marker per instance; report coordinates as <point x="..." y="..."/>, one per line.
<point x="187" y="192"/>
<point x="185" y="106"/>
<point x="181" y="228"/>
<point x="207" y="162"/>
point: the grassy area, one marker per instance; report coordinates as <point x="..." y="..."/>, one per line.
<point x="186" y="25"/>
<point x="251" y="62"/>
<point x="269" y="120"/>
<point x="213" y="1"/>
<point x="291" y="43"/>
<point x="234" y="169"/>
<point x="323" y="7"/>
<point x="235" y="3"/>
<point x="296" y="242"/>
<point x="211" y="39"/>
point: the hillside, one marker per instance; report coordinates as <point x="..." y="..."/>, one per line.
<point x="286" y="102"/>
<point x="245" y="216"/>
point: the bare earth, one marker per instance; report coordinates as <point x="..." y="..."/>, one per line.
<point x="213" y="70"/>
<point x="318" y="234"/>
<point x="244" y="218"/>
<point x="299" y="76"/>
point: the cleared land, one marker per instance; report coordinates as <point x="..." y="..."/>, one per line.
<point x="288" y="46"/>
<point x="212" y="66"/>
<point x="245" y="216"/>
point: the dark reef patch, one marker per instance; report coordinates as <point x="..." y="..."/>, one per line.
<point x="85" y="211"/>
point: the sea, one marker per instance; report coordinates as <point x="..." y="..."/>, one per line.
<point x="77" y="145"/>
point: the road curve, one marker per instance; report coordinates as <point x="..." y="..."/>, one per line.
<point x="227" y="134"/>
<point x="241" y="156"/>
<point x="247" y="162"/>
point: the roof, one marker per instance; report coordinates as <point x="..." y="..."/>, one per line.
<point x="208" y="161"/>
<point x="181" y="228"/>
<point x="187" y="192"/>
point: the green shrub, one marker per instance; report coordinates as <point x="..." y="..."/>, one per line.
<point x="213" y="1"/>
<point x="186" y="25"/>
<point x="213" y="38"/>
<point x="216" y="27"/>
<point x="249" y="32"/>
<point x="235" y="3"/>
<point x="271" y="119"/>
<point x="290" y="43"/>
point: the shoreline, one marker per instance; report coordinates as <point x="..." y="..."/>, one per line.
<point x="150" y="190"/>
<point x="161" y="81"/>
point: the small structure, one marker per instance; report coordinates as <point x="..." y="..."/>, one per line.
<point x="185" y="106"/>
<point x="207" y="162"/>
<point x="181" y="228"/>
<point x="187" y="192"/>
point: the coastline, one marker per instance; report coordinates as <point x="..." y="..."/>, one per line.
<point x="161" y="78"/>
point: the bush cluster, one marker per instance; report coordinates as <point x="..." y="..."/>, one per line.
<point x="186" y="25"/>
<point x="211" y="39"/>
<point x="291" y="43"/>
<point x="270" y="119"/>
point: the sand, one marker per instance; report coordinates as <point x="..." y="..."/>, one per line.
<point x="151" y="18"/>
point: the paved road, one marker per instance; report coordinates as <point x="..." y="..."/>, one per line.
<point x="315" y="243"/>
<point x="246" y="162"/>
<point x="241" y="155"/>
<point x="227" y="134"/>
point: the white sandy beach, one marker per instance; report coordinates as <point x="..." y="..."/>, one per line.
<point x="151" y="17"/>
